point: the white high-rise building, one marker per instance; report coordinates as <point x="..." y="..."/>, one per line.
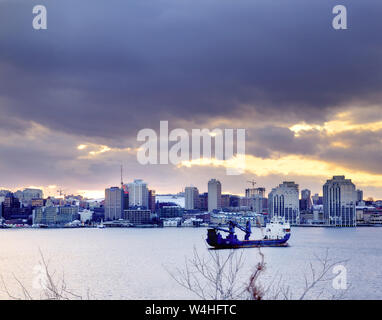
<point x="191" y="198"/>
<point x="340" y="197"/>
<point x="138" y="194"/>
<point x="214" y="195"/>
<point x="283" y="201"/>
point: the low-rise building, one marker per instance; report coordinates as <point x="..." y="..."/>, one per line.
<point x="138" y="216"/>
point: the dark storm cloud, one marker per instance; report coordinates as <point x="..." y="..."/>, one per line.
<point x="108" y="68"/>
<point x="265" y="141"/>
<point x="362" y="151"/>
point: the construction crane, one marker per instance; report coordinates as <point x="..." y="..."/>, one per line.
<point x="61" y="192"/>
<point x="253" y="182"/>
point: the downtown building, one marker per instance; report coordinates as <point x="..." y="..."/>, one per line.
<point x="114" y="203"/>
<point x="340" y="197"/>
<point x="214" y="195"/>
<point x="255" y="199"/>
<point x="283" y="201"/>
<point x="306" y="200"/>
<point x="138" y="194"/>
<point x="192" y="201"/>
<point x="55" y="215"/>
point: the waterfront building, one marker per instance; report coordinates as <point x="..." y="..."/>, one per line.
<point x="214" y="195"/>
<point x="113" y="203"/>
<point x="170" y="211"/>
<point x="45" y="215"/>
<point x="67" y="214"/>
<point x="11" y="206"/>
<point x="340" y="199"/>
<point x="138" y="216"/>
<point x="138" y="194"/>
<point x="283" y="201"/>
<point x="54" y="216"/>
<point x="191" y="198"/>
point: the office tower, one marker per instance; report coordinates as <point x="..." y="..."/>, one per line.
<point x="113" y="203"/>
<point x="214" y="195"/>
<point x="152" y="200"/>
<point x="359" y="195"/>
<point x="138" y="194"/>
<point x="55" y="216"/>
<point x="306" y="201"/>
<point x="170" y="211"/>
<point x="203" y="201"/>
<point x="225" y="200"/>
<point x="138" y="216"/>
<point x="11" y="205"/>
<point x="234" y="201"/>
<point x="191" y="198"/>
<point x="283" y="201"/>
<point x="340" y="198"/>
<point x="317" y="200"/>
<point x="125" y="196"/>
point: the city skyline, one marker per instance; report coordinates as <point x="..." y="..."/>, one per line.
<point x="246" y="191"/>
<point x="74" y="96"/>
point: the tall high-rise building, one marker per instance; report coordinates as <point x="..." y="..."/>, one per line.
<point x="151" y="200"/>
<point x="203" y="201"/>
<point x="138" y="194"/>
<point x="225" y="200"/>
<point x="113" y="203"/>
<point x="306" y="201"/>
<point x="340" y="199"/>
<point x="191" y="198"/>
<point x="125" y="197"/>
<point x="359" y="195"/>
<point x="214" y="195"/>
<point x="283" y="201"/>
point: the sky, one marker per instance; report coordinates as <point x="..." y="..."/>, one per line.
<point x="73" y="97"/>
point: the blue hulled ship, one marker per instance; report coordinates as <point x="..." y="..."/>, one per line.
<point x="277" y="233"/>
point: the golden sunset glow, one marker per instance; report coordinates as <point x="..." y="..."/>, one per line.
<point x="338" y="125"/>
<point x="293" y="166"/>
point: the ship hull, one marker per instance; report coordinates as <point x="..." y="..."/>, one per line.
<point x="219" y="243"/>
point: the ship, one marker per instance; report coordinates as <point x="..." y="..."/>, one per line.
<point x="277" y="234"/>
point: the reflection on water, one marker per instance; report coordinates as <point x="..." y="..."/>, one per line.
<point x="131" y="263"/>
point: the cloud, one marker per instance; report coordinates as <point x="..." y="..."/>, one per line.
<point x="104" y="70"/>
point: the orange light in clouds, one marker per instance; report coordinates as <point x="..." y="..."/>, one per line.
<point x="92" y="194"/>
<point x="295" y="165"/>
